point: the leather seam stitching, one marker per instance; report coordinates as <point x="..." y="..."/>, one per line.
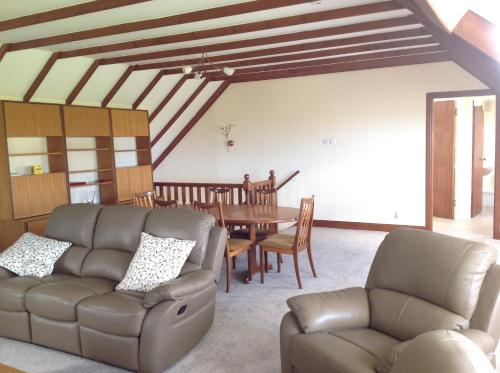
<point x="445" y="290"/>
<point x="402" y="311"/>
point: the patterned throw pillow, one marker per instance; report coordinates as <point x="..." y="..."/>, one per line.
<point x="33" y="255"/>
<point x="156" y="261"/>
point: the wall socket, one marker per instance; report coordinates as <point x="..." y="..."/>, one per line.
<point x="329" y="141"/>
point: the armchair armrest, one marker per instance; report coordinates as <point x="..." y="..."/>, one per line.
<point x="348" y="308"/>
<point x="481" y="339"/>
<point x="189" y="283"/>
<point x="5" y="273"/>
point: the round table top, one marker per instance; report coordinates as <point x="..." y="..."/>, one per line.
<point x="249" y="214"/>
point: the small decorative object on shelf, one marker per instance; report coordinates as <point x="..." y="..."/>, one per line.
<point x="89" y="196"/>
<point x="36" y="169"/>
<point x="226" y="130"/>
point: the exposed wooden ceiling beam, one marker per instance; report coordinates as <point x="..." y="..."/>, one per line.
<point x="476" y="63"/>
<point x="3" y="50"/>
<point x="435" y="50"/>
<point x="117" y="86"/>
<point x="85" y="78"/>
<point x="363" y="48"/>
<point x="168" y="97"/>
<point x="262" y="41"/>
<point x="196" y="16"/>
<point x="179" y="112"/>
<point x="341" y="67"/>
<point x="147" y="90"/>
<point x="66" y="12"/>
<point x="293" y="48"/>
<point x="189" y="126"/>
<point x="480" y="33"/>
<point x="326" y="15"/>
<point x="40" y="77"/>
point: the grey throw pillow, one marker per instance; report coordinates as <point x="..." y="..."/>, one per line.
<point x="33" y="255"/>
<point x="157" y="261"/>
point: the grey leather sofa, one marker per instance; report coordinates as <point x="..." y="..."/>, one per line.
<point x="77" y="310"/>
<point x="419" y="281"/>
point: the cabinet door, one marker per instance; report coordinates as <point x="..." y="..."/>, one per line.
<point x="86" y="121"/>
<point x="38" y="226"/>
<point x="130" y="180"/>
<point x="34" y="195"/>
<point x="32" y="119"/>
<point x="10" y="231"/>
<point x="129" y="123"/>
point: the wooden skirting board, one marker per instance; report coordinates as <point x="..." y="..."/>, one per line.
<point x="362" y="226"/>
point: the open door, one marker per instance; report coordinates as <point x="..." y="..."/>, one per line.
<point x="477" y="161"/>
<point x="443" y="158"/>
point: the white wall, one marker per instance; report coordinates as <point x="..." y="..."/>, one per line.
<point x="375" y="169"/>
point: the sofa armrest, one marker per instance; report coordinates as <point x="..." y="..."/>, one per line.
<point x="481" y="339"/>
<point x="189" y="283"/>
<point x="348" y="308"/>
<point x="5" y="273"/>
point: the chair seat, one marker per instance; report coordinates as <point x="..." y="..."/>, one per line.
<point x="58" y="300"/>
<point x="237" y="245"/>
<point x="116" y="313"/>
<point x="244" y="233"/>
<point x="280" y="241"/>
<point x="13" y="290"/>
<point x="347" y="351"/>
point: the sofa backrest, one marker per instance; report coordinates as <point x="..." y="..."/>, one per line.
<point x="421" y="281"/>
<point x="184" y="224"/>
<point x="116" y="239"/>
<point x="76" y="224"/>
<point x="486" y="317"/>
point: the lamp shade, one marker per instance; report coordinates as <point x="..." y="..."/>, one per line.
<point x="228" y="71"/>
<point x="187" y="69"/>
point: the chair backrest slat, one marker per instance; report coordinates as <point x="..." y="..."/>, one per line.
<point x="214" y="209"/>
<point x="145" y="199"/>
<point x="304" y="224"/>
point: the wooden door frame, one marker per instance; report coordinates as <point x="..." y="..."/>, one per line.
<point x="429" y="194"/>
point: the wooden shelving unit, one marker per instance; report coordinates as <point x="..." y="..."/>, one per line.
<point x="26" y="200"/>
<point x="139" y="177"/>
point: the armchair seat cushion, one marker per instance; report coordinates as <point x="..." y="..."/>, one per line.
<point x="280" y="241"/>
<point x="116" y="313"/>
<point x="58" y="300"/>
<point x="348" y="351"/>
<point x="13" y="290"/>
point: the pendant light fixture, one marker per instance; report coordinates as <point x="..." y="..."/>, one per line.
<point x="204" y="66"/>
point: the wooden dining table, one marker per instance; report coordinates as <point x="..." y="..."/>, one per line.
<point x="251" y="216"/>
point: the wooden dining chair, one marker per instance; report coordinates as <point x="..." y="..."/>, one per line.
<point x="291" y="244"/>
<point x="160" y="203"/>
<point x="234" y="246"/>
<point x="145" y="199"/>
<point x="220" y="194"/>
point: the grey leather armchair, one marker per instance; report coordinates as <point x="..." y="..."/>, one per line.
<point x="419" y="282"/>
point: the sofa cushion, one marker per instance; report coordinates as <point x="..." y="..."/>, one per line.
<point x="120" y="227"/>
<point x="72" y="260"/>
<point x="107" y="263"/>
<point x="184" y="224"/>
<point x="33" y="255"/>
<point x="13" y="290"/>
<point x="58" y="300"/>
<point x="439" y="269"/>
<point x="405" y="317"/>
<point x="74" y="223"/>
<point x="116" y="313"/>
<point x="351" y="351"/>
<point x="157" y="261"/>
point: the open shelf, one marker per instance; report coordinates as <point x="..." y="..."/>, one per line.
<point x="32" y="154"/>
<point x="88" y="149"/>
<point x="91" y="184"/>
<point x="93" y="170"/>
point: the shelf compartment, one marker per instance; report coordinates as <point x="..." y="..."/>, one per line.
<point x="91" y="184"/>
<point x="93" y="170"/>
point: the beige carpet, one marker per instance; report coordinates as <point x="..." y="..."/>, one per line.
<point x="245" y="335"/>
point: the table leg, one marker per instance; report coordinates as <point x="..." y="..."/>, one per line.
<point x="254" y="265"/>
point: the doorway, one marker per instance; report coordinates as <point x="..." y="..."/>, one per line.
<point x="462" y="164"/>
